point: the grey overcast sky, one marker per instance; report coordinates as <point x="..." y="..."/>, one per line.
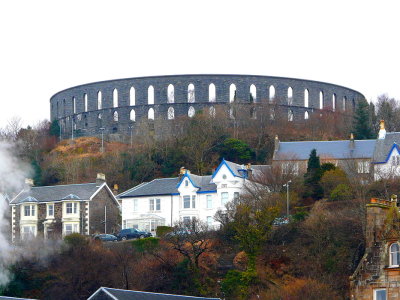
<point x="47" y="46"/>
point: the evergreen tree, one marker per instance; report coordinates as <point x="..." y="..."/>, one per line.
<point x="313" y="189"/>
<point x="362" y="126"/>
<point x="37" y="175"/>
<point x="55" y="128"/>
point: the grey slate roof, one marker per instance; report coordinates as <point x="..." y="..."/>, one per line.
<point x="56" y="193"/>
<point x="137" y="295"/>
<point x="334" y="149"/>
<point x="167" y="186"/>
<point x="383" y="146"/>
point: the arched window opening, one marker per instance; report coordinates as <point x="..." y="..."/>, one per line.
<point x="290" y="95"/>
<point x="99" y="100"/>
<point x="191" y="112"/>
<point x="171" y="93"/>
<point x="290" y="115"/>
<point x="211" y="93"/>
<point x="271" y="93"/>
<point x="85" y="101"/>
<point x="253" y="113"/>
<point x="306" y="95"/>
<point x="132" y="96"/>
<point x="132" y="115"/>
<point x="99" y="116"/>
<point x="115" y="116"/>
<point x="306" y="115"/>
<point x="191" y="95"/>
<point x="253" y="93"/>
<point x="344" y="103"/>
<point x="150" y="114"/>
<point x="150" y="96"/>
<point x="115" y="98"/>
<point x="232" y="114"/>
<point x="74" y="105"/>
<point x="212" y="111"/>
<point x="334" y="102"/>
<point x="394" y="255"/>
<point x="171" y="113"/>
<point x="232" y="93"/>
<point x="354" y="104"/>
<point x="272" y="113"/>
<point x="321" y="100"/>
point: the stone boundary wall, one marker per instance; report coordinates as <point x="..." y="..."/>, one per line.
<point x="125" y="102"/>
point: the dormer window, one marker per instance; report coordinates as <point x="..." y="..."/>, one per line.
<point x="394" y="255"/>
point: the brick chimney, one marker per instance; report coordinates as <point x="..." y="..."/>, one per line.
<point x="101" y="178"/>
<point x="352" y="144"/>
<point x="115" y="189"/>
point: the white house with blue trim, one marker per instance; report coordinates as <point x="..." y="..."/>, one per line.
<point x="165" y="201"/>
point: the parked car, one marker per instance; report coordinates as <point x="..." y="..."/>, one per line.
<point x="132" y="233"/>
<point x="179" y="232"/>
<point x="106" y="237"/>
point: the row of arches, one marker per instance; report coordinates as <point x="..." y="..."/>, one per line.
<point x="191" y="97"/>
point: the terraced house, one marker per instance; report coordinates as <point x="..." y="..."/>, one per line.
<point x="56" y="211"/>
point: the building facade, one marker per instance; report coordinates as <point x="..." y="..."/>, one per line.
<point x="166" y="201"/>
<point x="56" y="211"/>
<point x="367" y="159"/>
<point x="378" y="273"/>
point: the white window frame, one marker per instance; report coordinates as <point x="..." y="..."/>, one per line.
<point x="74" y="228"/>
<point x="378" y="290"/>
<point x="31" y="210"/>
<point x="391" y="255"/>
<point x="135" y="204"/>
<point x="48" y="215"/>
<point x="193" y="201"/>
<point x="155" y="204"/>
<point x="26" y="235"/>
<point x="209" y="200"/>
<point x="186" y="199"/>
<point x="73" y="208"/>
<point x="363" y="167"/>
<point x="224" y="198"/>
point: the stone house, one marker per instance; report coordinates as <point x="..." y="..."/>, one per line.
<point x="366" y="159"/>
<point x="56" y="211"/>
<point x="378" y="274"/>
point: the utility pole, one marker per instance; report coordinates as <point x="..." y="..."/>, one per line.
<point x="287" y="198"/>
<point x="105" y="219"/>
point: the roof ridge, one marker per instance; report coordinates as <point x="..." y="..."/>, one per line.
<point x="52" y="186"/>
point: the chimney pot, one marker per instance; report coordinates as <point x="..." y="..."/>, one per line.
<point x="382" y="130"/>
<point x="100" y="178"/>
<point x="29" y="181"/>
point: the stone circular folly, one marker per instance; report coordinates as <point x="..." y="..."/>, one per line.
<point x="116" y="106"/>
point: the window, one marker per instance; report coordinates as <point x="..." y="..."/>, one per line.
<point x="224" y="186"/>
<point x="191" y="112"/>
<point x="306" y="115"/>
<point x="290" y="96"/>
<point x="115" y="98"/>
<point x="290" y="115"/>
<point x="363" y="167"/>
<point x="132" y="96"/>
<point x="186" y="220"/>
<point x="189" y="202"/>
<point x="132" y="115"/>
<point x="150" y="95"/>
<point x="191" y="94"/>
<point x="150" y="114"/>
<point x="334" y="102"/>
<point x="193" y="201"/>
<point x="380" y="294"/>
<point x="155" y="204"/>
<point x="209" y="221"/>
<point x="71" y="208"/>
<point x="321" y="100"/>
<point x="236" y="195"/>
<point x="29" y="210"/>
<point x="232" y="92"/>
<point x="99" y="100"/>
<point x="344" y="103"/>
<point x="85" y="99"/>
<point x="186" y="182"/>
<point x="209" y="201"/>
<point x="70" y="228"/>
<point x="135" y="204"/>
<point x="211" y="93"/>
<point x="74" y="105"/>
<point x="253" y="93"/>
<point x="171" y="94"/>
<point x="186" y="201"/>
<point x="212" y="111"/>
<point x="224" y="198"/>
<point x="115" y="116"/>
<point x="171" y="113"/>
<point x="290" y="168"/>
<point x="28" y="232"/>
<point x="394" y="255"/>
<point x="50" y="210"/>
<point x="271" y="93"/>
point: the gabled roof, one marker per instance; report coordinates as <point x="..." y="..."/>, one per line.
<point x="234" y="168"/>
<point x="117" y="294"/>
<point x="325" y="149"/>
<point x="385" y="146"/>
<point x="168" y="186"/>
<point x="57" y="193"/>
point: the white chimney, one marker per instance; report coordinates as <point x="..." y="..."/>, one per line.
<point x="382" y="130"/>
<point x="29" y="182"/>
<point x="101" y="178"/>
